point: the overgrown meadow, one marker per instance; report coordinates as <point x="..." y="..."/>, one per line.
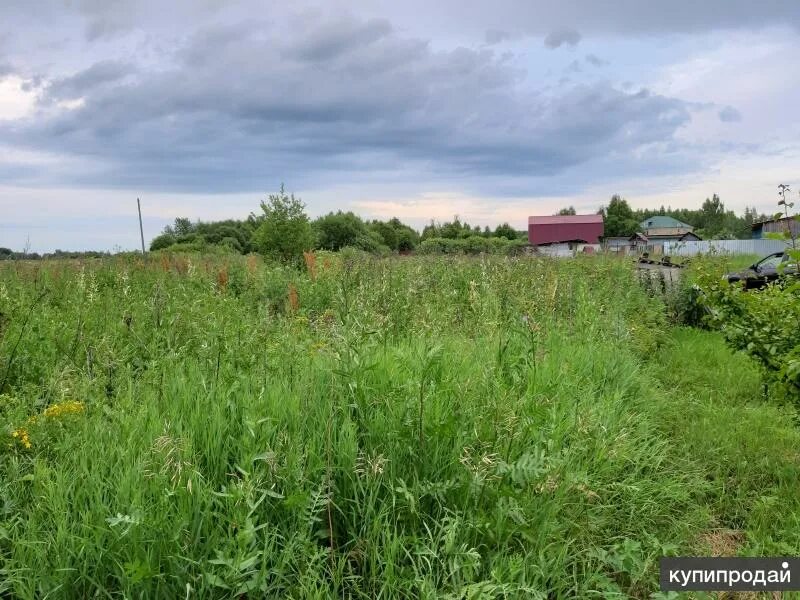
<point x="217" y="427"/>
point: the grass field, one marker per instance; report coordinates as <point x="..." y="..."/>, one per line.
<point x="401" y="428"/>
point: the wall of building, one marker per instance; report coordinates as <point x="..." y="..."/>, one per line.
<point x="676" y="231"/>
<point x="547" y="233"/>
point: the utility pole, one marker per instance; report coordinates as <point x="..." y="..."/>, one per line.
<point x="141" y="230"/>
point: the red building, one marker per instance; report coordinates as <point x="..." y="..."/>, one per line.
<point x="565" y="228"/>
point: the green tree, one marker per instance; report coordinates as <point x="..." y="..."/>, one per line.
<point x="712" y="216"/>
<point x="505" y="231"/>
<point x="162" y="241"/>
<point x="570" y="210"/>
<point x="285" y="231"/>
<point x="618" y="218"/>
<point x="183" y="226"/>
<point x="407" y="239"/>
<point x="387" y="232"/>
<point x="337" y="230"/>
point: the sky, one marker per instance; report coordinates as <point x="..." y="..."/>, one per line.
<point x="492" y="111"/>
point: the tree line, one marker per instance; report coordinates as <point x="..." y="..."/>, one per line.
<point x="710" y="222"/>
<point x="283" y="230"/>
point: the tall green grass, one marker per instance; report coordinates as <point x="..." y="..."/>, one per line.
<point x="417" y="427"/>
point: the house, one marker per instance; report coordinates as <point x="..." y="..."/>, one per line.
<point x="780" y="226"/>
<point x="662" y="225"/>
<point x="654" y="231"/>
<point x="565" y="230"/>
<point x="655" y="243"/>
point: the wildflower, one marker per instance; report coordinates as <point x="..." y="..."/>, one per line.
<point x="70" y="407"/>
<point x="21" y="435"/>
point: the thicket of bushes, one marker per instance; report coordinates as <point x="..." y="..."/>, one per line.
<point x="283" y="230"/>
<point x="472" y="245"/>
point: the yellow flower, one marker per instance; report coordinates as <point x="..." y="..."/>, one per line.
<point x="21" y="435"/>
<point x="63" y="408"/>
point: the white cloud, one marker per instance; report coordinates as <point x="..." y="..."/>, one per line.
<point x="15" y="102"/>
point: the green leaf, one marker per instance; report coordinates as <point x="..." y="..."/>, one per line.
<point x="216" y="581"/>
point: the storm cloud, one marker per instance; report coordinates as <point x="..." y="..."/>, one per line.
<point x="85" y="82"/>
<point x="219" y="119"/>
<point x="202" y="101"/>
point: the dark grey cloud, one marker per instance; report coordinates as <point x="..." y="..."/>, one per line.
<point x="243" y="106"/>
<point x="595" y="61"/>
<point x="590" y="17"/>
<point x="330" y="40"/>
<point x="32" y="83"/>
<point x="560" y="37"/>
<point x="85" y="81"/>
<point x="729" y="115"/>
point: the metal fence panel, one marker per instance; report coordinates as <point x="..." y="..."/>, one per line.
<point x="693" y="248"/>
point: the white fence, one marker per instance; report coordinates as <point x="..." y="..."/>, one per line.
<point x="760" y="247"/>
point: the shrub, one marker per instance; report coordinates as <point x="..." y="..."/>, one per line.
<point x="761" y="323"/>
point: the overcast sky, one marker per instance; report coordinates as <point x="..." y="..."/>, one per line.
<point x="490" y="110"/>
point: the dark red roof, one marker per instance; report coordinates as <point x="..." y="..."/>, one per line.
<point x="553" y="229"/>
<point x="564" y="219"/>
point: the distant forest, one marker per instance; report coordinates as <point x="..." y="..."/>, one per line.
<point x="346" y="229"/>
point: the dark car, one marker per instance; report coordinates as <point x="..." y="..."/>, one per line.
<point x="768" y="269"/>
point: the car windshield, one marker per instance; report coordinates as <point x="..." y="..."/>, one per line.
<point x="771" y="262"/>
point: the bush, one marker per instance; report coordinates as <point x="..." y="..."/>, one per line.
<point x="162" y="241"/>
<point x="761" y="323"/>
<point x="285" y="232"/>
<point x="471" y="245"/>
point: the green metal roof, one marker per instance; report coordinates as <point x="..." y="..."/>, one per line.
<point x="662" y="221"/>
